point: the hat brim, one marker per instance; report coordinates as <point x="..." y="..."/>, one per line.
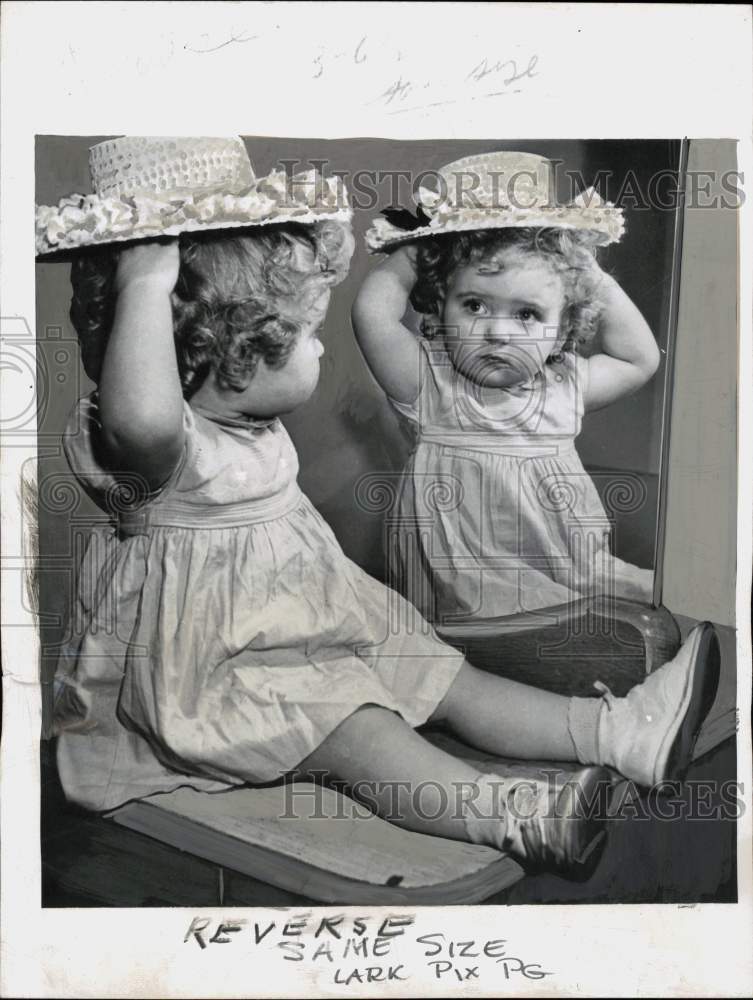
<point x="606" y="224"/>
<point x="66" y="248"/>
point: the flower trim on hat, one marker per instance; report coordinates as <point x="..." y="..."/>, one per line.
<point x="87" y="220"/>
<point x="586" y="212"/>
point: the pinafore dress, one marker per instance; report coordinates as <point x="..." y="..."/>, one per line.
<point x="220" y="634"/>
<point x="496" y="514"/>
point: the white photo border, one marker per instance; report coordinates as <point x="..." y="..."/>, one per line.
<point x="600" y="71"/>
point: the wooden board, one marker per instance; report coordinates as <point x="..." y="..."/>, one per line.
<point x="330" y="851"/>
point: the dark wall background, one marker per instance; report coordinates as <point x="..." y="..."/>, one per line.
<point x="347" y="429"/>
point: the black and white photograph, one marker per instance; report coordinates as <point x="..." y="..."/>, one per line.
<point x="435" y="588"/>
<point x="377" y="525"/>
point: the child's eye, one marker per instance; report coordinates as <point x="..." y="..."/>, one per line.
<point x="528" y="315"/>
<point x="475" y="306"/>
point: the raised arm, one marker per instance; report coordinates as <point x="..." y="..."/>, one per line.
<point x="629" y="355"/>
<point x="390" y="348"/>
<point x="140" y="397"/>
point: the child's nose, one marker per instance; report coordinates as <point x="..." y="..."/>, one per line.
<point x="498" y="330"/>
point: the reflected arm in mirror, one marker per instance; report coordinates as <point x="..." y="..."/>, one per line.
<point x="391" y="349"/>
<point x="628" y="355"/>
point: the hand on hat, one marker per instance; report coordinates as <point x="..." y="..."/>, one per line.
<point x="153" y="263"/>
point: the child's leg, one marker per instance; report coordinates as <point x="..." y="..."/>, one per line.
<point x="416" y="785"/>
<point x="507" y="718"/>
<point x="647" y="736"/>
<point x="378" y="748"/>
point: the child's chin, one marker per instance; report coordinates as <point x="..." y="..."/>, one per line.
<point x="305" y="395"/>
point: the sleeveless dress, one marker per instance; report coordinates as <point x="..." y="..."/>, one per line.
<point x="496" y="514"/>
<point x="220" y="634"/>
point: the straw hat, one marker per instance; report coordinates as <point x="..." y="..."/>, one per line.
<point x="495" y="191"/>
<point x="151" y="186"/>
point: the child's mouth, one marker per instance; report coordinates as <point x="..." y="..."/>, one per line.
<point x="497" y="360"/>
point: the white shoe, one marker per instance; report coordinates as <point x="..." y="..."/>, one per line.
<point x="649" y="735"/>
<point x="556" y="825"/>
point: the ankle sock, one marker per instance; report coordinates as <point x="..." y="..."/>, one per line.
<point x="483" y="813"/>
<point x="583" y="727"/>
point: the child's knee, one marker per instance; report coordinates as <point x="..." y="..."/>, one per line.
<point x="456" y="694"/>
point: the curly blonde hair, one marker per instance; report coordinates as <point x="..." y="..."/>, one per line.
<point x="571" y="254"/>
<point x="238" y="299"/>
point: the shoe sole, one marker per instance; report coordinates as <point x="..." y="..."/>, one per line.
<point x="702" y="687"/>
<point x="587" y="835"/>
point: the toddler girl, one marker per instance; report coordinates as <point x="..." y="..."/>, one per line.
<point x="226" y="639"/>
<point x="496" y="389"/>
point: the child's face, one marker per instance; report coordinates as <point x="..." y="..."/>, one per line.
<point x="502" y="320"/>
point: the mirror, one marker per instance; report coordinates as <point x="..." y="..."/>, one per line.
<point x="351" y="442"/>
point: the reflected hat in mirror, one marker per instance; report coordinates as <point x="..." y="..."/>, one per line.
<point x="149" y="186"/>
<point x="494" y="191"/>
